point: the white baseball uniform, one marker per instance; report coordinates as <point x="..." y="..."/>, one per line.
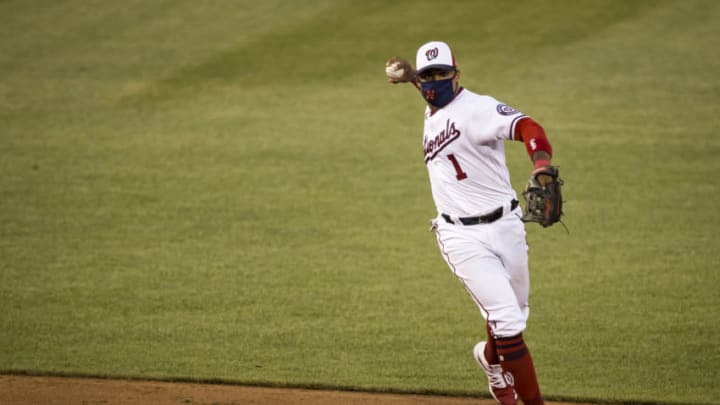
<point x="479" y="228"/>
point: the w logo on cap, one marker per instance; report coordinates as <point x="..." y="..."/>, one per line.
<point x="434" y="54"/>
<point x="431" y="54"/>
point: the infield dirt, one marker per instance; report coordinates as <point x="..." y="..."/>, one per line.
<point x="34" y="390"/>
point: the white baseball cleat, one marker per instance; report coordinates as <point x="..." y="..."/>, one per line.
<point x="500" y="383"/>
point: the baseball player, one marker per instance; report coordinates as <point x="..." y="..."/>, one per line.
<point x="479" y="226"/>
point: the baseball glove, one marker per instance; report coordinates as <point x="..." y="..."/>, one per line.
<point x="543" y="197"/>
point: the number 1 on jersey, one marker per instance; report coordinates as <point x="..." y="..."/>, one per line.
<point x="459" y="173"/>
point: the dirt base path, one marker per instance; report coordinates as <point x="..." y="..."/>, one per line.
<point x="26" y="390"/>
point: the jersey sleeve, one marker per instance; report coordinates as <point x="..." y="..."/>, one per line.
<point x="493" y="120"/>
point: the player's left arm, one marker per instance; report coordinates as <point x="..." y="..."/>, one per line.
<point x="543" y="191"/>
<point x="536" y="142"/>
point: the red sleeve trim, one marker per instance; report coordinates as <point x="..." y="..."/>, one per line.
<point x="533" y="135"/>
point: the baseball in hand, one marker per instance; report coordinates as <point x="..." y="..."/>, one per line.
<point x="394" y="70"/>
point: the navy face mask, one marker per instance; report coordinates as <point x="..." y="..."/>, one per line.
<point x="439" y="93"/>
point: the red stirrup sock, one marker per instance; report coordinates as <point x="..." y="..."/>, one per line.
<point x="515" y="358"/>
<point x="490" y="349"/>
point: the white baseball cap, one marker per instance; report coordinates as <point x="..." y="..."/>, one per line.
<point x="434" y="54"/>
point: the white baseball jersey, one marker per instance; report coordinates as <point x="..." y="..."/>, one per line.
<point x="465" y="155"/>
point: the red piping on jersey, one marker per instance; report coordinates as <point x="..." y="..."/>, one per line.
<point x="533" y="135"/>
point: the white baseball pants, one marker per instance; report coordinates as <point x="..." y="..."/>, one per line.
<point x="491" y="261"/>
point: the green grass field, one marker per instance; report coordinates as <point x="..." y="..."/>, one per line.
<point x="230" y="191"/>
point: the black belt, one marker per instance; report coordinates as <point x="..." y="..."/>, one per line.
<point x="482" y="219"/>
